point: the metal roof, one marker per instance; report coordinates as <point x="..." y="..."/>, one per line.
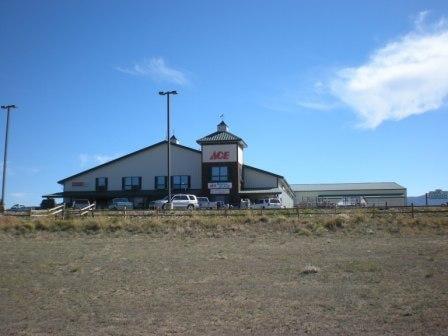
<point x="346" y="186"/>
<point x="221" y="137"/>
<point x="261" y="170"/>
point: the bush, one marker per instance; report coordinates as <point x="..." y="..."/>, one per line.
<point x="91" y="225"/>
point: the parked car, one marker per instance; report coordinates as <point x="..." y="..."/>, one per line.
<point x="121" y="204"/>
<point x="204" y="203"/>
<point x="80" y="203"/>
<point x="245" y="203"/>
<point x="179" y="201"/>
<point x="18" y="208"/>
<point x="222" y="205"/>
<point x="48" y="203"/>
<point x="267" y="203"/>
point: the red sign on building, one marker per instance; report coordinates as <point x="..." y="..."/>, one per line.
<point x="218" y="155"/>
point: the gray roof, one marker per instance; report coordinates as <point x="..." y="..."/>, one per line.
<point x="346" y="186"/>
<point x="221" y="137"/>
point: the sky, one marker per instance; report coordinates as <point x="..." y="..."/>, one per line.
<point x="321" y="91"/>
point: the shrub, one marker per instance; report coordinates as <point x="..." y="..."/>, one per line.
<point x="91" y="225"/>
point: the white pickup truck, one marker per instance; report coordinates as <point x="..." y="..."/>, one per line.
<point x="267" y="203"/>
<point x="204" y="203"/>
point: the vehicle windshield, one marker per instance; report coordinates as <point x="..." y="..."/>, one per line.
<point x="202" y="199"/>
<point x="274" y="201"/>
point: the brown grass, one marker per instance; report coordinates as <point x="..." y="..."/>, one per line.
<point x="192" y="224"/>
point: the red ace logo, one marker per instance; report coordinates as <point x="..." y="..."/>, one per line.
<point x="220" y="155"/>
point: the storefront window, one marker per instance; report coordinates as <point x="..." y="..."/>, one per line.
<point x="181" y="182"/>
<point x="220" y="174"/>
<point x="160" y="183"/>
<point x="101" y="183"/>
<point x="132" y="183"/>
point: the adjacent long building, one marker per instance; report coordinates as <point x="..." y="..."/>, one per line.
<point x="374" y="194"/>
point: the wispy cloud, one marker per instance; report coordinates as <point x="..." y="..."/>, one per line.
<point x="405" y="77"/>
<point x="316" y="105"/>
<point x="157" y="69"/>
<point x="87" y="160"/>
<point x="18" y="194"/>
<point x="312" y="95"/>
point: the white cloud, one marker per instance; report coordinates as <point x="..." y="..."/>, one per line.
<point x="158" y="70"/>
<point x="86" y="160"/>
<point x="408" y="76"/>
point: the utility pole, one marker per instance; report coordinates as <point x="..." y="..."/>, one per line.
<point x="168" y="158"/>
<point x="5" y="154"/>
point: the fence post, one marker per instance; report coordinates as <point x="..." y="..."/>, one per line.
<point x="298" y="213"/>
<point x="412" y="209"/>
<point x="386" y="206"/>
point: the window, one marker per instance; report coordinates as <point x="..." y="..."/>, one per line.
<point x="180" y="198"/>
<point x="220" y="174"/>
<point x="132" y="183"/>
<point x="101" y="183"/>
<point x="180" y="182"/>
<point x="160" y="183"/>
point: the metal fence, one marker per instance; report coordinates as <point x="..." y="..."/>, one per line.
<point x="62" y="211"/>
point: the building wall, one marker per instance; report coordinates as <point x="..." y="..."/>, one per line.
<point x="147" y="164"/>
<point x="254" y="179"/>
<point x="377" y="197"/>
<point x="287" y="197"/>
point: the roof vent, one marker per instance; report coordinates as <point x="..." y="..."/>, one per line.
<point x="222" y="127"/>
<point x="174" y="140"/>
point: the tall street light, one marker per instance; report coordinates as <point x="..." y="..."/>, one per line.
<point x="167" y="94"/>
<point x="5" y="154"/>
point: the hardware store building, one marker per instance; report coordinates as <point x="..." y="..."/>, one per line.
<point x="217" y="171"/>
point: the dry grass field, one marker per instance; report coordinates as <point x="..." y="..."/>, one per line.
<point x="266" y="275"/>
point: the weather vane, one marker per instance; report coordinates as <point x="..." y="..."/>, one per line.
<point x="222" y="117"/>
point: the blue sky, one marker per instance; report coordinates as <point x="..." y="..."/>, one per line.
<point x="329" y="91"/>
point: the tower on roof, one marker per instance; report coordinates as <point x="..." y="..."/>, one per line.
<point x="222" y="164"/>
<point x="222" y="127"/>
<point x="221" y="136"/>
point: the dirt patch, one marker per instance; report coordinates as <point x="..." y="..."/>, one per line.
<point x="139" y="284"/>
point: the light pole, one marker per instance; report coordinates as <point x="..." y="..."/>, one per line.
<point x="5" y="154"/>
<point x="168" y="164"/>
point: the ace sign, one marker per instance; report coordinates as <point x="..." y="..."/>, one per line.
<point x="219" y="153"/>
